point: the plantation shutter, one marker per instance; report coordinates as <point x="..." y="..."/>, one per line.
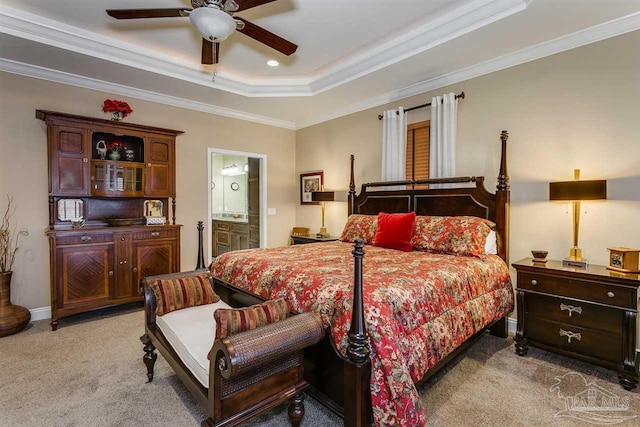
<point x="417" y="165"/>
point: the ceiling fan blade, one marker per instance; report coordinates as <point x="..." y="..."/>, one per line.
<point x="267" y="37"/>
<point x="148" y="13"/>
<point x="210" y="52"/>
<point x="248" y="4"/>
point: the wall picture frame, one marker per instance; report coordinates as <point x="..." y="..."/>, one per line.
<point x="309" y="182"/>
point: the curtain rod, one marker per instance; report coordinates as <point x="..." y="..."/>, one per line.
<point x="461" y="95"/>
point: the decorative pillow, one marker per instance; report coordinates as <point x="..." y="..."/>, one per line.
<point x="360" y="226"/>
<point x="230" y="321"/>
<point x="175" y="294"/>
<point x="395" y="230"/>
<point x="454" y="235"/>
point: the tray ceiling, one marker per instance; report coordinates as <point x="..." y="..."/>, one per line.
<point x="352" y="55"/>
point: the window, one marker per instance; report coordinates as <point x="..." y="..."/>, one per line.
<point x="418" y="151"/>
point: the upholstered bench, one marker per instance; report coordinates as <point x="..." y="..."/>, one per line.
<point x="242" y="372"/>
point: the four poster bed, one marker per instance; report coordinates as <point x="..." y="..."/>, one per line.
<point x="400" y="317"/>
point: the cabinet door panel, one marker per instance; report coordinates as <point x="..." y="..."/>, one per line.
<point x="159" y="155"/>
<point x="123" y="288"/>
<point x="85" y="273"/>
<point x="69" y="161"/>
<point x="154" y="257"/>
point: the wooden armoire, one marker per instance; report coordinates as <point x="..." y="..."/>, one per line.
<point x="98" y="264"/>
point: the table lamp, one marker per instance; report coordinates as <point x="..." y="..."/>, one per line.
<point x="576" y="191"/>
<point x="322" y="197"/>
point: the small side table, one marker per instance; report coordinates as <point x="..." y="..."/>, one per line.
<point x="585" y="313"/>
<point x="301" y="240"/>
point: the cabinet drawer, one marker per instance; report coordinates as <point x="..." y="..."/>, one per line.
<point x="84" y="238"/>
<point x="575" y="313"/>
<point x="581" y="289"/>
<point x="588" y="342"/>
<point x="221" y="225"/>
<point x="239" y="228"/>
<point x="222" y="237"/>
<point x="154" y="234"/>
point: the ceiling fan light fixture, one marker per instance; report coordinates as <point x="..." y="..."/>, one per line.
<point x="212" y="23"/>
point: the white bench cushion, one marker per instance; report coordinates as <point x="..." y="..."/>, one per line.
<point x="190" y="332"/>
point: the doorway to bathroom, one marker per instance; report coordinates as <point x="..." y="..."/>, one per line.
<point x="237" y="201"/>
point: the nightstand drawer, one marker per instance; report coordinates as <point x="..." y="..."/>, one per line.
<point x="575" y="313"/>
<point x="600" y="345"/>
<point x="580" y="289"/>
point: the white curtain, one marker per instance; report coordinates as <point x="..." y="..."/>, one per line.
<point x="394" y="145"/>
<point x="442" y="139"/>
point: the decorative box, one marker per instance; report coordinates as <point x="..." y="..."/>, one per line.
<point x="624" y="260"/>
<point x="156" y="220"/>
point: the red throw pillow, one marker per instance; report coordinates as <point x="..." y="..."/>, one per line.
<point x="394" y="231"/>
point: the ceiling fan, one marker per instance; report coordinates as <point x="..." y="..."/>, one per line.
<point x="215" y="21"/>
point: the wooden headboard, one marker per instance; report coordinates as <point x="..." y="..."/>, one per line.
<point x="471" y="199"/>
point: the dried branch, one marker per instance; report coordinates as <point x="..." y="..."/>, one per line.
<point x="9" y="238"/>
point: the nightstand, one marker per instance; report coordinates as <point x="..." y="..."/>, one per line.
<point x="589" y="314"/>
<point x="301" y="240"/>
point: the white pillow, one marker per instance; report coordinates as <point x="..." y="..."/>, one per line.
<point x="490" y="245"/>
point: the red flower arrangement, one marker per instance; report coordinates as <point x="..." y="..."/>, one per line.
<point x="114" y="106"/>
<point x="116" y="146"/>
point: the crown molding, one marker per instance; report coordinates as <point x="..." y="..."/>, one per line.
<point x="469" y="17"/>
<point x="42" y="73"/>
<point x="580" y="38"/>
<point x="456" y="23"/>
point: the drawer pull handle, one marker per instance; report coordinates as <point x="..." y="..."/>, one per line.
<point x="534" y="282"/>
<point x="570" y="308"/>
<point x="86" y="238"/>
<point x="570" y="335"/>
<point x="611" y="294"/>
<point x="155" y="234"/>
<point x="110" y="273"/>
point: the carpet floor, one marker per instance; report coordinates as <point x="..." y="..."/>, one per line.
<point x="90" y="372"/>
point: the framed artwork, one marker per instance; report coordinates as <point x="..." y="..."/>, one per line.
<point x="309" y="182"/>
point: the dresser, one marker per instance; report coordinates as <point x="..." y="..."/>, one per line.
<point x="99" y="264"/>
<point x="589" y="314"/>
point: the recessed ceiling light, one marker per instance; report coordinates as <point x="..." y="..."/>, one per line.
<point x="273" y="63"/>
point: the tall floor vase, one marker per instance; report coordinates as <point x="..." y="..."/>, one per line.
<point x="13" y="318"/>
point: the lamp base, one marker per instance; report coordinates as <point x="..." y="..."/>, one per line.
<point x="323" y="233"/>
<point x="575" y="262"/>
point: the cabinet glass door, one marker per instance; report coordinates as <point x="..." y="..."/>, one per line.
<point x="114" y="178"/>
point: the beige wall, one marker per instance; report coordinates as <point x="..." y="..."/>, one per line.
<point x="577" y="109"/>
<point x="23" y="168"/>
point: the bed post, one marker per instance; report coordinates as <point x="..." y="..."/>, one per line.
<point x="502" y="201"/>
<point x="200" y="263"/>
<point x="352" y="191"/>
<point x="500" y="328"/>
<point x="357" y="369"/>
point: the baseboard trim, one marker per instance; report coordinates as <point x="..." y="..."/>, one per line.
<point x="40" y="313"/>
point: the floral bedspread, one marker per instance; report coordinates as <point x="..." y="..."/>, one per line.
<point x="419" y="307"/>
